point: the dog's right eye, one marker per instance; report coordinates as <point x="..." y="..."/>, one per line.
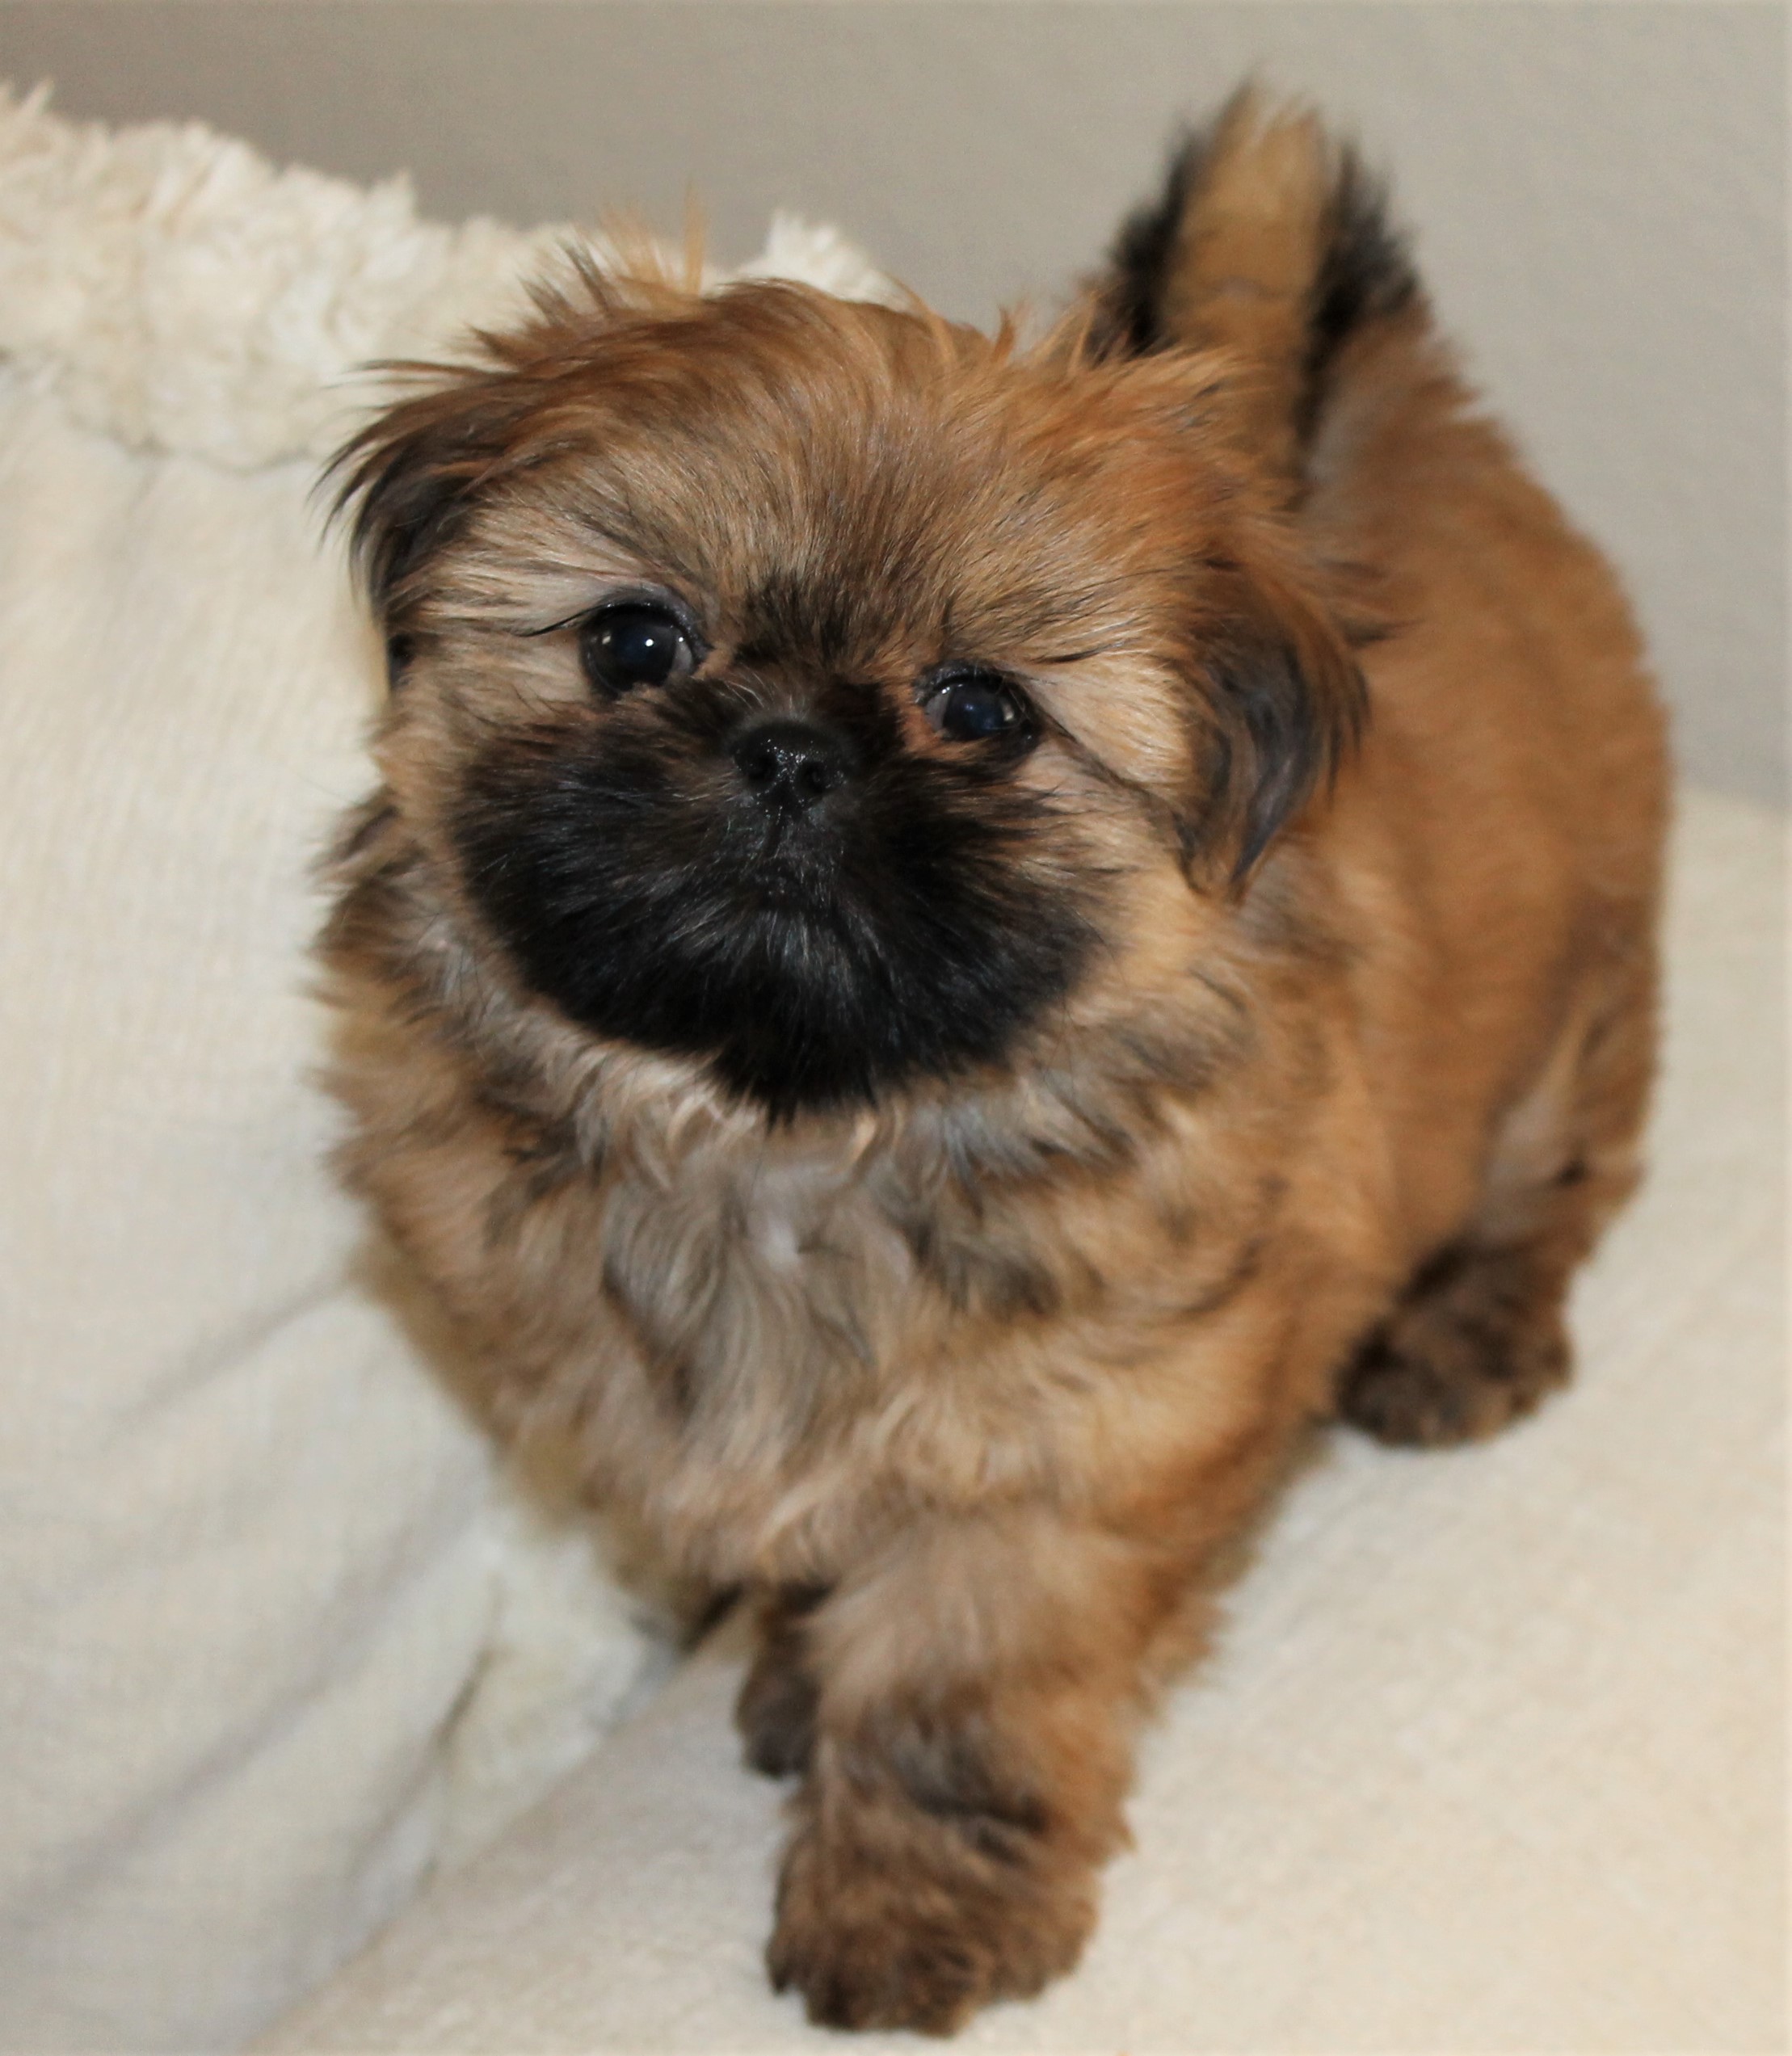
<point x="633" y="644"/>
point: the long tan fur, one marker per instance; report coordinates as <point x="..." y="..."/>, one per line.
<point x="973" y="1382"/>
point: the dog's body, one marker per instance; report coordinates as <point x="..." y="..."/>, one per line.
<point x="1189" y="1094"/>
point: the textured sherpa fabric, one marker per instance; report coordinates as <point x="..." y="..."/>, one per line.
<point x="273" y="1643"/>
<point x="1490" y="1757"/>
<point x="182" y="294"/>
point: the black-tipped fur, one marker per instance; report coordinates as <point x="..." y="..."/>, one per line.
<point x="1129" y="319"/>
<point x="1364" y="275"/>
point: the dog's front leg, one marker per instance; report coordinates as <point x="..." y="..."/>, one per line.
<point x="977" y="1690"/>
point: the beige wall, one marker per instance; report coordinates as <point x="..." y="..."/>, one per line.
<point x="1597" y="191"/>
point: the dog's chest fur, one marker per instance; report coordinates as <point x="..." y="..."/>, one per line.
<point x="767" y="1335"/>
<point x="765" y="1344"/>
<point x="736" y="1262"/>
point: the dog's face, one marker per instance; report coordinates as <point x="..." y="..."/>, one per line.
<point x="810" y="689"/>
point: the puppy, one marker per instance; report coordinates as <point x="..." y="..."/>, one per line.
<point x="958" y="940"/>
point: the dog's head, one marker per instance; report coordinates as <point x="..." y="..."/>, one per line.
<point x="808" y="687"/>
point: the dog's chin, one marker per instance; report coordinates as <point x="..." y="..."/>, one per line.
<point x="812" y="970"/>
<point x="799" y="1005"/>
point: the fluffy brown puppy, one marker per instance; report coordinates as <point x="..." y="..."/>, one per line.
<point x="956" y="942"/>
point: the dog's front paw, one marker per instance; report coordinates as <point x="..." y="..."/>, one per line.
<point x="892" y="1919"/>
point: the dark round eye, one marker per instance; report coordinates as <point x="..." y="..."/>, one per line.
<point x="976" y="707"/>
<point x="635" y="644"/>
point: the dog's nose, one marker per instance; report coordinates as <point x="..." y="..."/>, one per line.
<point x="790" y="763"/>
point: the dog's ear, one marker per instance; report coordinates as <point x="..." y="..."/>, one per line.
<point x="407" y="481"/>
<point x="1284" y="705"/>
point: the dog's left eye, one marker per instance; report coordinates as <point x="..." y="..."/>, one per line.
<point x="634" y="644"/>
<point x="976" y="707"/>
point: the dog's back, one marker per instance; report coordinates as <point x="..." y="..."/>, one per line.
<point x="1494" y="845"/>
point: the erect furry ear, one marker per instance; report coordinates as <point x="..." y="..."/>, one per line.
<point x="1286" y="705"/>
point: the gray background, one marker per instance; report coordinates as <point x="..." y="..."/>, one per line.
<point x="1597" y="192"/>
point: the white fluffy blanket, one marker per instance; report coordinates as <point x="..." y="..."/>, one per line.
<point x="182" y="295"/>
